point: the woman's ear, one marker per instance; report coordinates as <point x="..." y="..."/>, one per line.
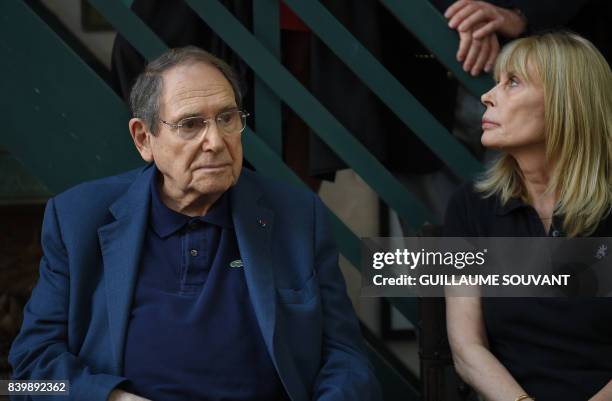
<point x="141" y="137"/>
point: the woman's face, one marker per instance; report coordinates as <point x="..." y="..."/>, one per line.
<point x="514" y="118"/>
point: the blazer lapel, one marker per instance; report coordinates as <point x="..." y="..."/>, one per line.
<point x="254" y="223"/>
<point x="121" y="245"/>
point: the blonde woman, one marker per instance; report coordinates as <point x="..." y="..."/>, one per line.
<point x="550" y="115"/>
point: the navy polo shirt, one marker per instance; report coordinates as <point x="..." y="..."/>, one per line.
<point x="192" y="333"/>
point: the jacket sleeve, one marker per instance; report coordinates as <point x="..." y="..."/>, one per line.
<point x="40" y="350"/>
<point x="345" y="372"/>
<point x="540" y="16"/>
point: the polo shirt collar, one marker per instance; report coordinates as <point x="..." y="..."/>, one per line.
<point x="510" y="206"/>
<point x="166" y="221"/>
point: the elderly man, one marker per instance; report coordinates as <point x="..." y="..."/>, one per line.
<point x="192" y="278"/>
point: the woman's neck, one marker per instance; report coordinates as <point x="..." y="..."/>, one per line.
<point x="536" y="171"/>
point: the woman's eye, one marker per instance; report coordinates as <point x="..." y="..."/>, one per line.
<point x="512" y="82"/>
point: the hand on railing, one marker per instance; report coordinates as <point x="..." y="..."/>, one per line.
<point x="478" y="24"/>
<point x="477" y="54"/>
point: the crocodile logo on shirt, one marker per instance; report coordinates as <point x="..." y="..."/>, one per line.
<point x="236" y="263"/>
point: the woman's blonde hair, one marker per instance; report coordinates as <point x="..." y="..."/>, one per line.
<point x="577" y="84"/>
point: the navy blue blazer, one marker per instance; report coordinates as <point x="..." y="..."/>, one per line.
<point x="75" y="322"/>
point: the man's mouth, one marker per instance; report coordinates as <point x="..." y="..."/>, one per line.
<point x="212" y="166"/>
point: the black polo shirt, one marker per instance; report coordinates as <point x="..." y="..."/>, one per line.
<point x="470" y="215"/>
<point x="556" y="348"/>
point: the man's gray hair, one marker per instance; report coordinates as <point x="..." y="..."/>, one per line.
<point x="145" y="95"/>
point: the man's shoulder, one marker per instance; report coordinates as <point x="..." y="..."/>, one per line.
<point x="281" y="190"/>
<point x="292" y="204"/>
<point x="99" y="191"/>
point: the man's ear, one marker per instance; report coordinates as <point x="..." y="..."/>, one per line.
<point x="140" y="135"/>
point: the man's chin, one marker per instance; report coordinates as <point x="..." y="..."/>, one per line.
<point x="212" y="187"/>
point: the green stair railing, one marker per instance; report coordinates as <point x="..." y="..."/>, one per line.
<point x="305" y="105"/>
<point x="384" y="85"/>
<point x="429" y="26"/>
<point x="61" y="121"/>
<point x="266" y="26"/>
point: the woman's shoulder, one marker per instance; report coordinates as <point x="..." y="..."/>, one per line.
<point x="466" y="209"/>
<point x="604" y="229"/>
<point x="467" y="194"/>
<point x="467" y="197"/>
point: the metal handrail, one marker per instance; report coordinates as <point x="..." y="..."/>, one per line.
<point x="382" y="83"/>
<point x="422" y="19"/>
<point x="310" y="110"/>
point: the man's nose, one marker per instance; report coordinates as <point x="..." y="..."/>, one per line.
<point x="213" y="139"/>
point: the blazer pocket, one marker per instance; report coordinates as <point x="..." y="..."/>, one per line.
<point x="301" y="295"/>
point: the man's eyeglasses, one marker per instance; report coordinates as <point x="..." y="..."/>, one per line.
<point x="229" y="123"/>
